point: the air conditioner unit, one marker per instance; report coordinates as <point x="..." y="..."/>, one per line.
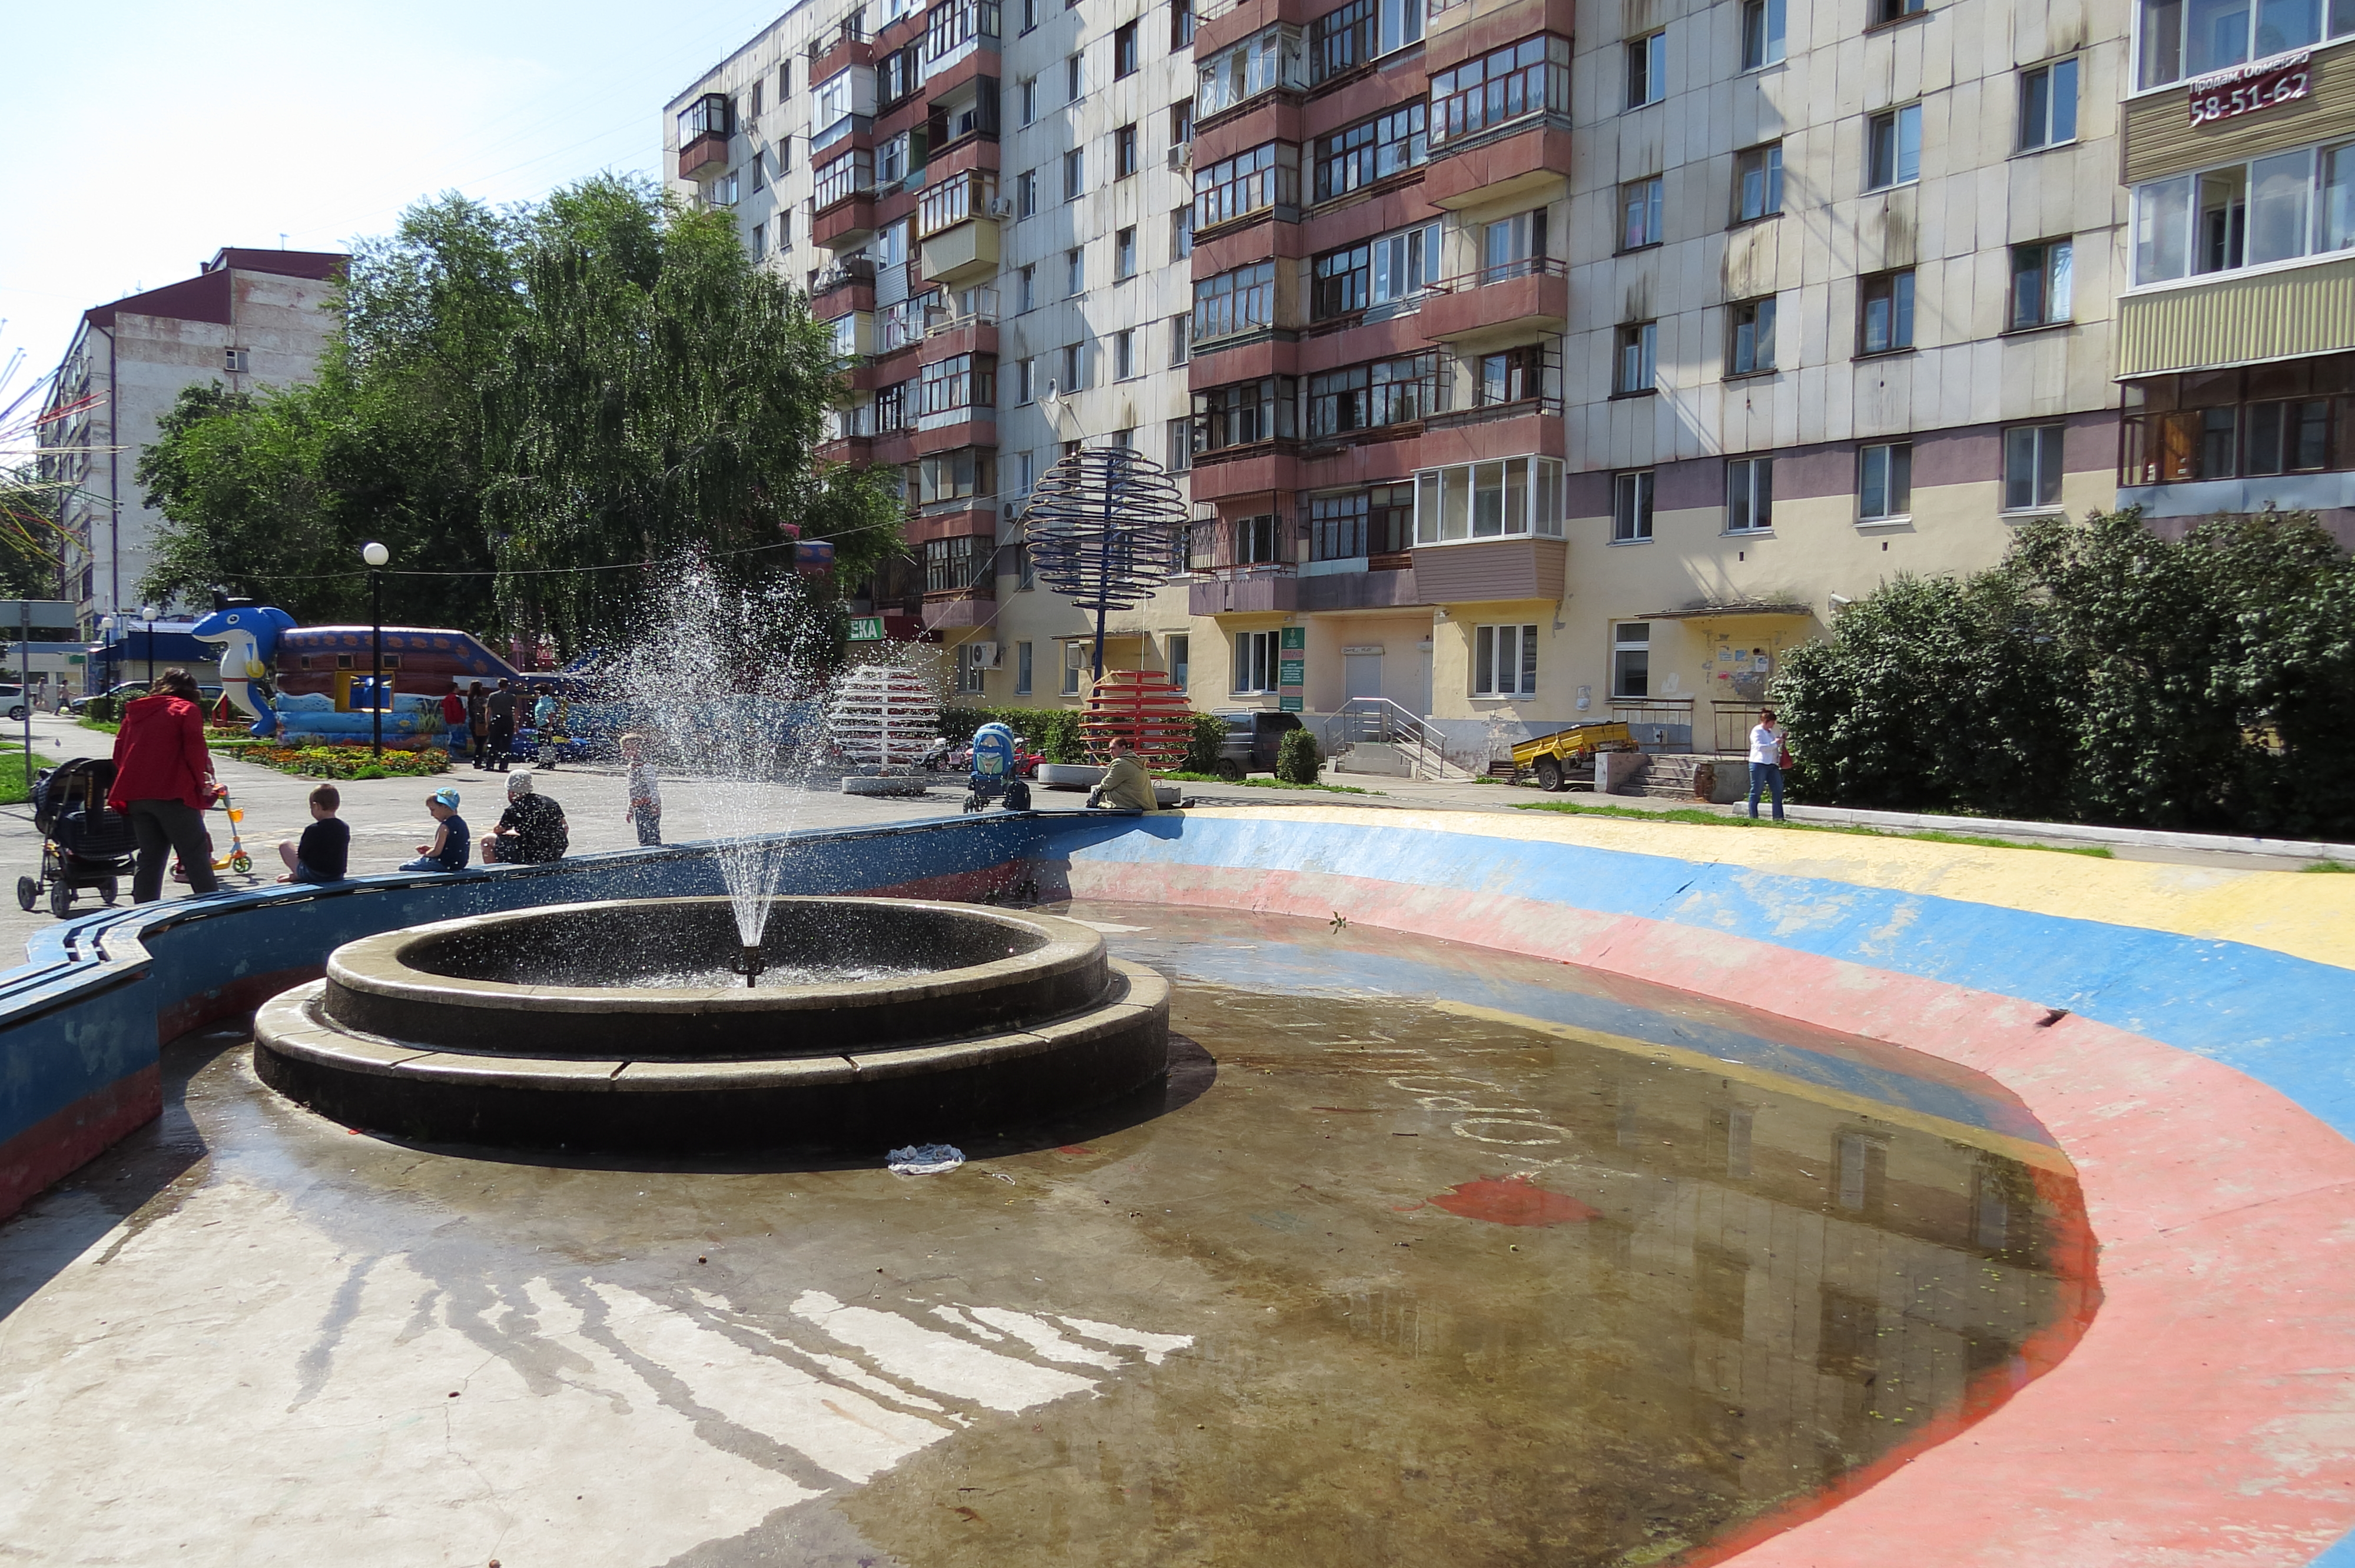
<point x="1001" y="207"/>
<point x="1180" y="155"/>
<point x="985" y="655"/>
<point x="1012" y="509"/>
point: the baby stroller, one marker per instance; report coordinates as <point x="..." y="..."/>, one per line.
<point x="993" y="777"/>
<point x="83" y="844"/>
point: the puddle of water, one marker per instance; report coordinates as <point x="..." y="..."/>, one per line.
<point x="1399" y="1272"/>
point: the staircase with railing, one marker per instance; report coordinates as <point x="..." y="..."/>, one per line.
<point x="1378" y="721"/>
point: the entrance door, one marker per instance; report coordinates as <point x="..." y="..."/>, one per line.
<point x="1362" y="674"/>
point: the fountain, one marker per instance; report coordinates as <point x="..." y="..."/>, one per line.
<point x="858" y="1023"/>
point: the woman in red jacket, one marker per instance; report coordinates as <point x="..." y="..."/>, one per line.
<point x="162" y="782"/>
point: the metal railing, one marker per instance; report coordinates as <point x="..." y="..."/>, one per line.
<point x="1378" y="721"/>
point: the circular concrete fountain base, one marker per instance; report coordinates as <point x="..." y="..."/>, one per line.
<point x="468" y="1030"/>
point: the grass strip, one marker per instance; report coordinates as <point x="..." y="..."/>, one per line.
<point x="15" y="785"/>
<point x="1712" y="819"/>
<point x="1267" y="783"/>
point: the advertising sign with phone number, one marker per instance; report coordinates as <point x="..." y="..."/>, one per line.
<point x="2245" y="90"/>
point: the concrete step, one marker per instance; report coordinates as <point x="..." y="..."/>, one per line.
<point x="1373" y="756"/>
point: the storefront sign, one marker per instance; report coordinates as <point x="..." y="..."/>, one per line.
<point x="2245" y="89"/>
<point x="866" y="628"/>
<point x="1291" y="703"/>
<point x="1292" y="670"/>
<point x="1291" y="673"/>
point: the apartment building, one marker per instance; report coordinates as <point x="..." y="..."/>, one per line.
<point x="1533" y="360"/>
<point x="990" y="204"/>
<point x="249" y="319"/>
<point x="2237" y="321"/>
<point x="1585" y="354"/>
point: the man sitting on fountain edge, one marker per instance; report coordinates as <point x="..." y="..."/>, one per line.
<point x="532" y="828"/>
<point x="1124" y="784"/>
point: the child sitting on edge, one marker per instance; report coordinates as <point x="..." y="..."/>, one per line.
<point x="449" y="849"/>
<point x="645" y="792"/>
<point x="324" y="849"/>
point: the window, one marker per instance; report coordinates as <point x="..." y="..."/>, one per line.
<point x="1259" y="541"/>
<point x="892" y="406"/>
<point x="711" y="115"/>
<point x="1245" y="414"/>
<point x="1029" y="14"/>
<point x="2180" y="39"/>
<point x="2287" y="416"/>
<point x="1026" y="571"/>
<point x="1124" y="151"/>
<point x="1636" y="368"/>
<point x="1502" y="498"/>
<point x="1075" y="273"/>
<point x="956" y="384"/>
<point x="1631" y="507"/>
<point x="1750" y="495"/>
<point x="970" y="669"/>
<point x="2040" y="283"/>
<point x="1124" y="253"/>
<point x="723" y="190"/>
<point x="1237" y="302"/>
<point x="1028" y="90"/>
<point x="961" y="475"/>
<point x="1631" y="659"/>
<point x="1391" y="270"/>
<point x="1181" y="23"/>
<point x="760" y="248"/>
<point x="784" y="226"/>
<point x="1504" y="660"/>
<point x="1750" y="336"/>
<point x="1181" y="233"/>
<point x="1179" y="448"/>
<point x="2031" y="468"/>
<point x="1351" y="35"/>
<point x="1639" y="201"/>
<point x="843" y="177"/>
<point x="2274" y="209"/>
<point x="1892" y="148"/>
<point x="1762" y="33"/>
<point x="1124" y="356"/>
<point x="1074" y="78"/>
<point x="1075" y="367"/>
<point x="892" y="160"/>
<point x="899" y="74"/>
<point x="784" y="82"/>
<point x="1075" y="172"/>
<point x="760" y="171"/>
<point x="1371" y="150"/>
<point x="952" y="30"/>
<point x="891" y="243"/>
<point x="1269" y="59"/>
<point x="1758" y="183"/>
<point x="1024" y="472"/>
<point x="1884" y="489"/>
<point x="1532" y="77"/>
<point x="1022" y="668"/>
<point x="1885" y="310"/>
<point x="1254" y="661"/>
<point x="960" y="198"/>
<point x="1025" y="193"/>
<point x="1181" y="658"/>
<point x="1887" y="11"/>
<point x="1124" y="439"/>
<point x="1075" y="665"/>
<point x="1123" y="50"/>
<point x="1182" y="123"/>
<point x="1358" y="524"/>
<point x="1510" y="244"/>
<point x="1369" y="396"/>
<point x="1181" y="339"/>
<point x="2293" y="437"/>
<point x="1513" y="375"/>
<point x="2048" y="105"/>
<point x="1026" y="287"/>
<point x="845" y="330"/>
<point x="1648" y="70"/>
<point x="1266" y="176"/>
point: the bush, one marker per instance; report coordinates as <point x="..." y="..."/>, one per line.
<point x="2099" y="674"/>
<point x="1209" y="740"/>
<point x="1297" y="759"/>
<point x="101" y="709"/>
<point x="347" y="762"/>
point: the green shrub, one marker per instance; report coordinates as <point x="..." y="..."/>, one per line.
<point x="1054" y="733"/>
<point x="100" y="709"/>
<point x="1209" y="740"/>
<point x="1297" y="758"/>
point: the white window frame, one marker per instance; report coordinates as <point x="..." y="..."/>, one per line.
<point x="1761" y="34"/>
<point x="1632" y="492"/>
<point x="1903" y="118"/>
<point x="2055" y="285"/>
<point x="1179" y="649"/>
<point x="1256" y="654"/>
<point x="2041" y="448"/>
<point x="1750" y="495"/>
<point x="2043" y="95"/>
<point x="1022" y="668"/>
<point x="1896" y="475"/>
<point x="2175" y="202"/>
<point x="1648" y="70"/>
<point x="1505" y="658"/>
<point x="1640" y="212"/>
<point x="1635" y="365"/>
<point x="1630" y="637"/>
<point x="1472" y="503"/>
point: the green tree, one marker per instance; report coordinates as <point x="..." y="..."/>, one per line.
<point x="29" y="555"/>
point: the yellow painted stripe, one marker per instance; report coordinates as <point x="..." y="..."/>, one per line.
<point x="2043" y="1156"/>
<point x="2301" y="914"/>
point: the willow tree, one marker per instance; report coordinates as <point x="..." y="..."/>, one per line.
<point x="658" y="394"/>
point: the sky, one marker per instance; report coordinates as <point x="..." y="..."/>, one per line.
<point x="137" y="139"/>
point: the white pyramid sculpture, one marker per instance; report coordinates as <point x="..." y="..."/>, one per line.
<point x="883" y="715"/>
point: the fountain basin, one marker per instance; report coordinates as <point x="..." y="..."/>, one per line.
<point x="537" y="1027"/>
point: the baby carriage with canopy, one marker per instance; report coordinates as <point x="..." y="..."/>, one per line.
<point x="84" y="843"/>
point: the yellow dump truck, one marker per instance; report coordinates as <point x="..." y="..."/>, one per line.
<point x="1553" y="758"/>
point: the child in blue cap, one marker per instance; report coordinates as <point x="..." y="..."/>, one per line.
<point x="449" y="849"/>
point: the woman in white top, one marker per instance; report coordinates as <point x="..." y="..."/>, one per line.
<point x="1766" y="762"/>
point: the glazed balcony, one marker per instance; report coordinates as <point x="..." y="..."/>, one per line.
<point x="1498" y="305"/>
<point x="849" y="222"/>
<point x="1530" y="159"/>
<point x="1514" y="568"/>
<point x="838" y="50"/>
<point x="701" y="156"/>
<point x="847" y="285"/>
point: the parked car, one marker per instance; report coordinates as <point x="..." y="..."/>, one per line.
<point x="13" y="696"/>
<point x="121" y="693"/>
<point x="1253" y="738"/>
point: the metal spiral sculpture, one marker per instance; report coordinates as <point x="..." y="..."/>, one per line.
<point x="1106" y="526"/>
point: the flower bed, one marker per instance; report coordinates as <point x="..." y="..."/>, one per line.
<point x="348" y="761"/>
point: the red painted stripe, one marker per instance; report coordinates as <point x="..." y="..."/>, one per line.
<point x="53" y="1147"/>
<point x="2199" y="1418"/>
<point x="236" y="1000"/>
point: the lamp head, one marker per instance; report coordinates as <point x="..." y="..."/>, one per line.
<point x="146" y="612"/>
<point x="373" y="554"/>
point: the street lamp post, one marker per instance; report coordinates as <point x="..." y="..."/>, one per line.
<point x="106" y="646"/>
<point x="147" y="614"/>
<point x="376" y="555"/>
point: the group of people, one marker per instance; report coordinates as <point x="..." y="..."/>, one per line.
<point x="483" y="724"/>
<point x="164" y="783"/>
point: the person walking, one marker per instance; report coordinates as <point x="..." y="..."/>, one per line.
<point x="164" y="782"/>
<point x="645" y="791"/>
<point x="454" y="719"/>
<point x="1766" y="762"/>
<point x="502" y="709"/>
<point x="478" y="719"/>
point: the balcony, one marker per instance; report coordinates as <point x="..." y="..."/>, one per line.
<point x="1245" y="590"/>
<point x="698" y="157"/>
<point x="847" y="285"/>
<point x="1532" y="159"/>
<point x="963" y="254"/>
<point x="1498" y="305"/>
<point x="2228" y="318"/>
<point x="838" y="51"/>
<point x="848" y="222"/>
<point x="952" y="429"/>
<point x="857" y="449"/>
<point x="961" y="608"/>
<point x="1512" y="568"/>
